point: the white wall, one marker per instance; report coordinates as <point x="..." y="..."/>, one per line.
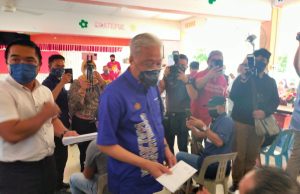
<point x="224" y="34"/>
<point x="98" y="25"/>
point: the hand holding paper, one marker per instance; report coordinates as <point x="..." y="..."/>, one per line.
<point x="181" y="172"/>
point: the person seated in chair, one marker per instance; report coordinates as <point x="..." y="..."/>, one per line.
<point x="218" y="136"/>
<point x="95" y="165"/>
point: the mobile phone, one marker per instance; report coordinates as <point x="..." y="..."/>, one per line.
<point x="89" y="56"/>
<point x="251" y="61"/>
<point x="69" y="70"/>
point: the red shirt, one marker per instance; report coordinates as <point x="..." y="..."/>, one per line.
<point x="114" y="69"/>
<point x="214" y="87"/>
<point x="107" y="77"/>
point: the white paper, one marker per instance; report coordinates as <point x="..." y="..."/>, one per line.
<point x="181" y="172"/>
<point x="79" y="139"/>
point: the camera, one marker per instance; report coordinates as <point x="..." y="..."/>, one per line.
<point x="218" y="63"/>
<point x="252" y="69"/>
<point x="176" y="68"/>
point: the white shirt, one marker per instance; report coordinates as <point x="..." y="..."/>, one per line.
<point x="18" y="103"/>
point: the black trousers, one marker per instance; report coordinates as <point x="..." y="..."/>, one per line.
<point x="61" y="157"/>
<point x="28" y="177"/>
<point x="82" y="126"/>
<point x="175" y="124"/>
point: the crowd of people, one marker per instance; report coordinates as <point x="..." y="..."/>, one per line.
<point x="136" y="133"/>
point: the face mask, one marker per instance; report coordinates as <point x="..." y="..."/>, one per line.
<point x="106" y="72"/>
<point x="149" y="78"/>
<point x="213" y="113"/>
<point x="57" y="72"/>
<point x="23" y="73"/>
<point x="260" y="66"/>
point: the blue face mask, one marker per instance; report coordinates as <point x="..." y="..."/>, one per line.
<point x="57" y="72"/>
<point x="23" y="73"/>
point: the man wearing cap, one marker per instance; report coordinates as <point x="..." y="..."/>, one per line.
<point x="114" y="67"/>
<point x="218" y="136"/>
<point x="208" y="83"/>
<point x="248" y="88"/>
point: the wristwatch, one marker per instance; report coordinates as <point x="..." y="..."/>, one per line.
<point x="190" y="81"/>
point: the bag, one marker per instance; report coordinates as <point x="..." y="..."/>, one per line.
<point x="266" y="126"/>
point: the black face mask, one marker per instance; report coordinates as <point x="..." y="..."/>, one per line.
<point x="261" y="66"/>
<point x="149" y="78"/>
<point x="213" y="113"/>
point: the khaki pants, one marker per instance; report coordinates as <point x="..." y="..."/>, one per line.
<point x="293" y="164"/>
<point x="247" y="145"/>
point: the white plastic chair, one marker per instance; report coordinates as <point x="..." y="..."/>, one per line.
<point x="221" y="178"/>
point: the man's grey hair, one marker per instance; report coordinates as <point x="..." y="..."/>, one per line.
<point x="271" y="180"/>
<point x="143" y="40"/>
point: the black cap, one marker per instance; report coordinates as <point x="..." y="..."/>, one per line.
<point x="112" y="55"/>
<point x="262" y="52"/>
<point x="216" y="100"/>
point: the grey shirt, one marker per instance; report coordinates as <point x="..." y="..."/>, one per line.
<point x="96" y="159"/>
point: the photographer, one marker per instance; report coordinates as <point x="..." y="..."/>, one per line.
<point x="176" y="84"/>
<point x="293" y="165"/>
<point x="247" y="88"/>
<point x="83" y="103"/>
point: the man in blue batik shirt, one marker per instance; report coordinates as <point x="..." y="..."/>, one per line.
<point x="130" y="123"/>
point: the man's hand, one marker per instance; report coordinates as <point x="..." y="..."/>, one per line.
<point x="156" y="169"/>
<point x="182" y="77"/>
<point x="259" y="114"/>
<point x="66" y="78"/>
<point x="50" y="110"/>
<point x="170" y="158"/>
<point x="193" y="122"/>
<point x="71" y="133"/>
<point x="214" y="72"/>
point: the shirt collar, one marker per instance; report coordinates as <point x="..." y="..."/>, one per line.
<point x="219" y="117"/>
<point x="53" y="78"/>
<point x="133" y="81"/>
<point x="13" y="82"/>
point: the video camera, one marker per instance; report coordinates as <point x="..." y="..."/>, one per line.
<point x="176" y="67"/>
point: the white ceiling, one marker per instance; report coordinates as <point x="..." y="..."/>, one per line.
<point x="38" y="7"/>
<point x="174" y="10"/>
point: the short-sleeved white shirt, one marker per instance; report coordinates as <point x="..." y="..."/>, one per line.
<point x="18" y="103"/>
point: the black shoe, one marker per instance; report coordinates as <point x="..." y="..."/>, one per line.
<point x="233" y="188"/>
<point x="65" y="186"/>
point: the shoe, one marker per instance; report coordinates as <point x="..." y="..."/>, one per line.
<point x="233" y="188"/>
<point x="65" y="186"/>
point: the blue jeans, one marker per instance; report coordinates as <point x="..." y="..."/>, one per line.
<point x="192" y="159"/>
<point x="81" y="185"/>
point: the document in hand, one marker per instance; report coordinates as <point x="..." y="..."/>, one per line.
<point x="79" y="138"/>
<point x="181" y="172"/>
